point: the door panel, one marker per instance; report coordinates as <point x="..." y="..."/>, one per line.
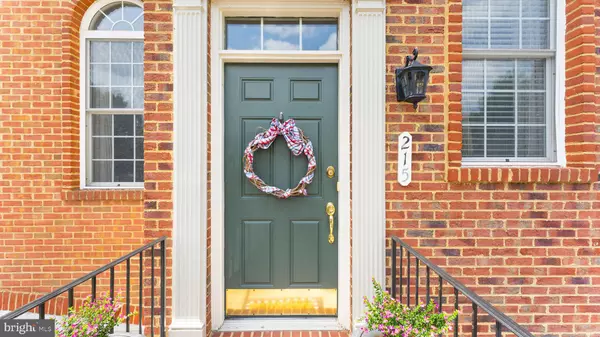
<point x="257" y="252"/>
<point x="304" y="233"/>
<point x="272" y="243"/>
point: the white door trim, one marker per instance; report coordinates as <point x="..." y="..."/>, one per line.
<point x="219" y="57"/>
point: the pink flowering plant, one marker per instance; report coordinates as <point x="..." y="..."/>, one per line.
<point x="394" y="319"/>
<point x="95" y="318"/>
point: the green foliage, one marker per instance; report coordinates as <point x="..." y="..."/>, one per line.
<point x="394" y="319"/>
<point x="93" y="319"/>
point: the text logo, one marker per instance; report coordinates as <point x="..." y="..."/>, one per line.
<point x="27" y="328"/>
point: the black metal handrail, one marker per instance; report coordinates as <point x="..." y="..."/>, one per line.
<point x="40" y="303"/>
<point x="501" y="320"/>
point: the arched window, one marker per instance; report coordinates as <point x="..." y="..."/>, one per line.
<point x="112" y="95"/>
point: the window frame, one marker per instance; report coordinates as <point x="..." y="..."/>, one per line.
<point x="261" y="22"/>
<point x="555" y="125"/>
<point x="85" y="113"/>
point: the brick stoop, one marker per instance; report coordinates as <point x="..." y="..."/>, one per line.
<point x="313" y="333"/>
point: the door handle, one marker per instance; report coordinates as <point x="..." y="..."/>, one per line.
<point x="330" y="210"/>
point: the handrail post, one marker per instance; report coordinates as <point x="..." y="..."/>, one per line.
<point x="93" y="288"/>
<point x="152" y="293"/>
<point x="408" y="279"/>
<point x="112" y="283"/>
<point x="71" y="300"/>
<point x="42" y="310"/>
<point x="427" y="287"/>
<point x="140" y="314"/>
<point x="401" y="272"/>
<point x="440" y="292"/>
<point x="456" y="308"/>
<point x="393" y="269"/>
<point x="163" y="286"/>
<point x="416" y="281"/>
<point x="112" y="289"/>
<point x="127" y="293"/>
<point x="474" y="320"/>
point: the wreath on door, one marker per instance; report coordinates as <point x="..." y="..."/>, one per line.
<point x="296" y="141"/>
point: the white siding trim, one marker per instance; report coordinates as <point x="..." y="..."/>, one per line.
<point x="189" y="180"/>
<point x="368" y="151"/>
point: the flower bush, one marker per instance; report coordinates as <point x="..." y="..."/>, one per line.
<point x="394" y="319"/>
<point x="95" y="318"/>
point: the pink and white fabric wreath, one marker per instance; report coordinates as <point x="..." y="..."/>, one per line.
<point x="296" y="141"/>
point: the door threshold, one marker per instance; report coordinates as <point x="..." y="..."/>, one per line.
<point x="281" y="324"/>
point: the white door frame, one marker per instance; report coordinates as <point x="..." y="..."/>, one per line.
<point x="219" y="57"/>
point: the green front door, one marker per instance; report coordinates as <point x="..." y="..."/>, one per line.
<point x="278" y="260"/>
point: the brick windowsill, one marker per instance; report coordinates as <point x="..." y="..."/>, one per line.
<point x="523" y="175"/>
<point x="93" y="195"/>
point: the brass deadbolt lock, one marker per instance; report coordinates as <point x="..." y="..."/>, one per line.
<point x="330" y="172"/>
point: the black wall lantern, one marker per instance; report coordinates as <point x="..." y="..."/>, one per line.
<point x="411" y="81"/>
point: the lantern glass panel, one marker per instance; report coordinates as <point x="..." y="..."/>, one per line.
<point x="406" y="83"/>
<point x="420" y="83"/>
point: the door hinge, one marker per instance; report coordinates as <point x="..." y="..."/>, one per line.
<point x="338" y="186"/>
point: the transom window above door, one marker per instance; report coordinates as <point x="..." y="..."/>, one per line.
<point x="314" y="34"/>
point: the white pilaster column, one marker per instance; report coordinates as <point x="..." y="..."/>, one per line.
<point x="189" y="185"/>
<point x="368" y="150"/>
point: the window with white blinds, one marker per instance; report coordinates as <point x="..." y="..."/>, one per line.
<point x="508" y="62"/>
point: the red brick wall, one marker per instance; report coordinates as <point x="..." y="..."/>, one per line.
<point x="158" y="134"/>
<point x="50" y="232"/>
<point x="527" y="240"/>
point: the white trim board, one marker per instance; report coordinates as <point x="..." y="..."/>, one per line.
<point x="189" y="177"/>
<point x="368" y="151"/>
<point x="219" y="57"/>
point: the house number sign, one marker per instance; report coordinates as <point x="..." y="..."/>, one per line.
<point x="405" y="158"/>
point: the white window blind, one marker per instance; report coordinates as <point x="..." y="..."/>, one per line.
<point x="508" y="115"/>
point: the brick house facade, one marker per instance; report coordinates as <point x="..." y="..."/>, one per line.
<point x="524" y="237"/>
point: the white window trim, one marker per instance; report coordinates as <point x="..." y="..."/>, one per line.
<point x="84" y="133"/>
<point x="555" y="71"/>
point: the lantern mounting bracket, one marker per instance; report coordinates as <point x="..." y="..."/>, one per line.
<point x="409" y="59"/>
